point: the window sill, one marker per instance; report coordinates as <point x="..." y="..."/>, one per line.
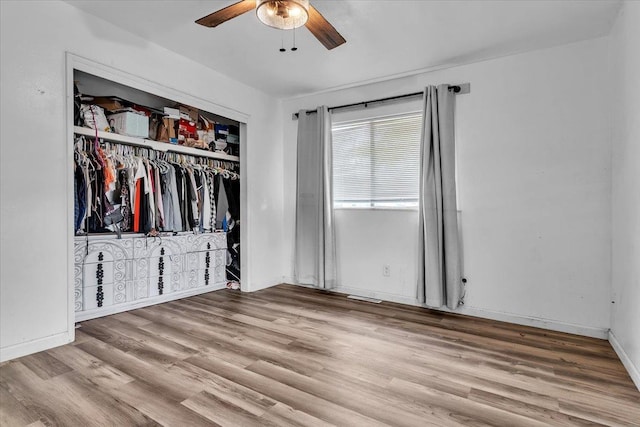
<point x="376" y="208"/>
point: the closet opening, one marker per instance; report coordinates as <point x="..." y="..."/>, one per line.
<point x="157" y="196"/>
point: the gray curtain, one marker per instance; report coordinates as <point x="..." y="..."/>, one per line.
<point x="439" y="272"/>
<point x="315" y="240"/>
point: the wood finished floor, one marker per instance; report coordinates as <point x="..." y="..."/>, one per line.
<point x="295" y="356"/>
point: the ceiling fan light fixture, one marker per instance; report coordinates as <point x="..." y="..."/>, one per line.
<point x="283" y="14"/>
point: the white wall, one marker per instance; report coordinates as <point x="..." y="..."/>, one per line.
<point x="33" y="270"/>
<point x="534" y="179"/>
<point x="625" y="311"/>
<point x="366" y="240"/>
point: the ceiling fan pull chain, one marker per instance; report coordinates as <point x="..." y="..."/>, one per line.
<point x="294" y="48"/>
<point x="282" y="49"/>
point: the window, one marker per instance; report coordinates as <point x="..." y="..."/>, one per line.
<point x="376" y="162"/>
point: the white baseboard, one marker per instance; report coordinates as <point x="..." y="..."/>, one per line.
<point x="517" y="319"/>
<point x="537" y="322"/>
<point x="633" y="370"/>
<point x="253" y="287"/>
<point x="34" y="346"/>
<point x="81" y="316"/>
<point x="384" y="296"/>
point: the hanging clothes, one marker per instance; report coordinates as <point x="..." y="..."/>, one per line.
<point x="80" y="197"/>
<point x="205" y="212"/>
<point x="158" y="199"/>
<point x="151" y="191"/>
<point x="125" y="199"/>
<point x="192" y="205"/>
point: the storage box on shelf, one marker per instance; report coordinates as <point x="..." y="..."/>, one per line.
<point x="130" y="124"/>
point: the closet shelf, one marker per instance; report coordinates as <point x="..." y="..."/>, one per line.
<point x="155" y="145"/>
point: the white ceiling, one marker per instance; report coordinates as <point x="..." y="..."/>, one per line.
<point x="384" y="37"/>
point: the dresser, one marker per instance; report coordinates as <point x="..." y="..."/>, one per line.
<point x="112" y="275"/>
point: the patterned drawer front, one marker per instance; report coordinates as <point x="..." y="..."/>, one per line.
<point x="140" y="289"/>
<point x="119" y="292"/>
<point x="211" y="258"/>
<point x="214" y="266"/>
<point x="109" y="250"/>
<point x="176" y="283"/>
<point x="204" y="259"/>
<point x="192" y="279"/>
<point x="140" y="268"/>
<point x="192" y="261"/>
<point x="219" y="274"/>
<point x="220" y="257"/>
<point x="79" y="250"/>
<point x="215" y="275"/>
<point x="97" y="296"/>
<point x="150" y="247"/>
<point x="96" y="274"/>
<point x="78" y="292"/>
<point x="202" y="242"/>
<point x="77" y="286"/>
<point x="161" y="266"/>
<point x="163" y="285"/>
<point x="98" y="257"/>
<point x="143" y="246"/>
<point x="218" y="240"/>
<point x="161" y="274"/>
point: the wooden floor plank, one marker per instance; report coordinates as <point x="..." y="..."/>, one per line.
<point x="104" y="408"/>
<point x="223" y="412"/>
<point x="158" y="407"/>
<point x="45" y="365"/>
<point x="242" y="397"/>
<point x="295" y="356"/>
<point x="13" y="412"/>
<point x="361" y="400"/>
<point x="299" y="399"/>
<point x="285" y="416"/>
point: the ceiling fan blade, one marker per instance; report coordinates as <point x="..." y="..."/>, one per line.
<point x="223" y="15"/>
<point x="323" y="30"/>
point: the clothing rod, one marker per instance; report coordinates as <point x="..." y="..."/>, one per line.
<point x="454" y="88"/>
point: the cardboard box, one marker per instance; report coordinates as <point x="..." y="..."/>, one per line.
<point x="206" y="124"/>
<point x="166" y="130"/>
<point x="130" y="124"/>
<point x="108" y="103"/>
<point x="172" y="113"/>
<point x="187" y="129"/>
<point x="193" y="113"/>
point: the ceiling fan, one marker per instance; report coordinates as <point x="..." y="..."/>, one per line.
<point x="282" y="14"/>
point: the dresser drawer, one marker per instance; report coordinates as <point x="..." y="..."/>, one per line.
<point x="90" y="297"/>
<point x="168" y="285"/>
<point x="109" y="250"/>
<point x="92" y="271"/>
<point x="219" y="275"/>
<point x="168" y="266"/>
<point x="207" y="241"/>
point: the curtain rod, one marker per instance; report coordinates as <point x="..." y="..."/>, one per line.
<point x="462" y="88"/>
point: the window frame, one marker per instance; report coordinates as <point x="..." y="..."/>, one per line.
<point x="370" y="114"/>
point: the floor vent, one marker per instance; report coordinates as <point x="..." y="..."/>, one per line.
<point x="366" y="299"/>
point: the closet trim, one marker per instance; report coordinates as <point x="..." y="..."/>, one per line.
<point x="80" y="63"/>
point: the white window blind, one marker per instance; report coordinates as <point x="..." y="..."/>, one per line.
<point x="376" y="162"/>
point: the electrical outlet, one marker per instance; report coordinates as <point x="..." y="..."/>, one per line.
<point x="386" y="270"/>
